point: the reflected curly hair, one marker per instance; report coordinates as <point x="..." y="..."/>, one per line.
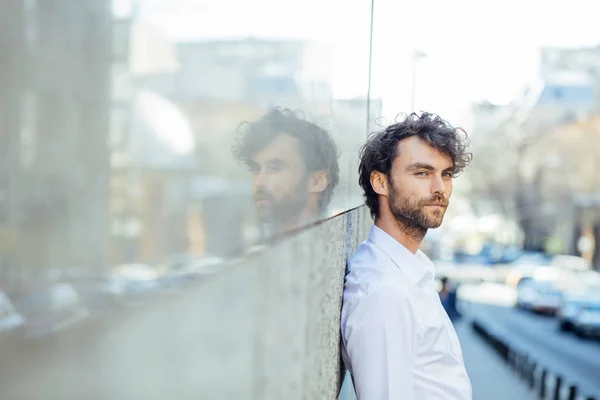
<point x="317" y="147"/>
<point x="381" y="148"/>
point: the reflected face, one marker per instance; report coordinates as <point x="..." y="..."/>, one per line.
<point x="279" y="180"/>
<point x="421" y="184"/>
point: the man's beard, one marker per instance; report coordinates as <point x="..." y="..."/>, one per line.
<point x="283" y="213"/>
<point x="411" y="215"/>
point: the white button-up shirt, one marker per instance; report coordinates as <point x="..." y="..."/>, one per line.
<point x="397" y="340"/>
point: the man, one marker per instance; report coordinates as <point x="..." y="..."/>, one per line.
<point x="294" y="166"/>
<point x="398" y="342"/>
<point x="448" y="299"/>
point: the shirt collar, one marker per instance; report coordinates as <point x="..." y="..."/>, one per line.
<point x="415" y="266"/>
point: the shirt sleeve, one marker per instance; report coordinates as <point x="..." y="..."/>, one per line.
<point x="380" y="341"/>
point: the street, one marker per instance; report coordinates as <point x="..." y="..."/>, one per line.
<point x="161" y="350"/>
<point x="563" y="353"/>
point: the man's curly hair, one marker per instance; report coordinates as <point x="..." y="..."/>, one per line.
<point x="317" y="147"/>
<point x="381" y="148"/>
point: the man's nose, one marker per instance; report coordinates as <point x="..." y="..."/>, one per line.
<point x="259" y="178"/>
<point x="438" y="185"/>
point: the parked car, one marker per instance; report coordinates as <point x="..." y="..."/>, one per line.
<point x="524" y="266"/>
<point x="467" y="268"/>
<point x="100" y="295"/>
<point x="587" y="322"/>
<point x="570" y="309"/>
<point x="184" y="273"/>
<point x="539" y="296"/>
<point x="10" y="320"/>
<point x="50" y="310"/>
<point x="135" y="281"/>
<point x="571" y="263"/>
<point x="205" y="266"/>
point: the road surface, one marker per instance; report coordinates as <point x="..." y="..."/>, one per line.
<point x="563" y="353"/>
<point x="162" y="350"/>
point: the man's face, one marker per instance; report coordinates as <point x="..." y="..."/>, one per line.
<point x="279" y="180"/>
<point x="420" y="185"/>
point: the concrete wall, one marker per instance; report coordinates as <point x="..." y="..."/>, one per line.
<point x="266" y="328"/>
<point x="279" y="310"/>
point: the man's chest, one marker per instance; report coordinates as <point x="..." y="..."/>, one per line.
<point x="436" y="336"/>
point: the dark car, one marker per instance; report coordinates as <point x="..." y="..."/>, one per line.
<point x="587" y="322"/>
<point x="570" y="309"/>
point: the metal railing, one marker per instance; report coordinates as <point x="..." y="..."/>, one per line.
<point x="539" y="378"/>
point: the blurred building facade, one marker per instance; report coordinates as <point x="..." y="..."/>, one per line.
<point x="55" y="106"/>
<point x="257" y="71"/>
<point x="219" y="84"/>
<point x="584" y="59"/>
<point x="153" y="154"/>
<point x="551" y="139"/>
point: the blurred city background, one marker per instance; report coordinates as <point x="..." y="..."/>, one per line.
<point x="168" y="231"/>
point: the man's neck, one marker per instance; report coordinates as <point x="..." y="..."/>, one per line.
<point x="407" y="237"/>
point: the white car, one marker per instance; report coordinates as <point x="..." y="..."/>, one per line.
<point x="524" y="266"/>
<point x="539" y="296"/>
<point x="136" y="277"/>
<point x="10" y="319"/>
<point x="205" y="266"/>
<point x="135" y="282"/>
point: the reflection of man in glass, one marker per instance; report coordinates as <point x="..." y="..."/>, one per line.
<point x="294" y="168"/>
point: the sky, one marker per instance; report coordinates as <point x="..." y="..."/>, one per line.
<point x="483" y="49"/>
<point x="475" y="49"/>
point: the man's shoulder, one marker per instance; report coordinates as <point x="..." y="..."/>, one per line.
<point x="370" y="265"/>
<point x="375" y="291"/>
<point x="372" y="274"/>
<point x="365" y="267"/>
<point x="367" y="252"/>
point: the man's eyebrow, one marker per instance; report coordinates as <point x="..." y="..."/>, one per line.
<point x="419" y="165"/>
<point x="277" y="161"/>
<point x="427" y="167"/>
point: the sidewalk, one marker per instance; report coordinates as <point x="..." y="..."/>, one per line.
<point x="490" y="377"/>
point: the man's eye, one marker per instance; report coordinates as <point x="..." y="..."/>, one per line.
<point x="273" y="168"/>
<point x="421" y="174"/>
<point x="448" y="175"/>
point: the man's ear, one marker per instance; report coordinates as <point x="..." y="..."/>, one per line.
<point x="379" y="183"/>
<point x="318" y="182"/>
